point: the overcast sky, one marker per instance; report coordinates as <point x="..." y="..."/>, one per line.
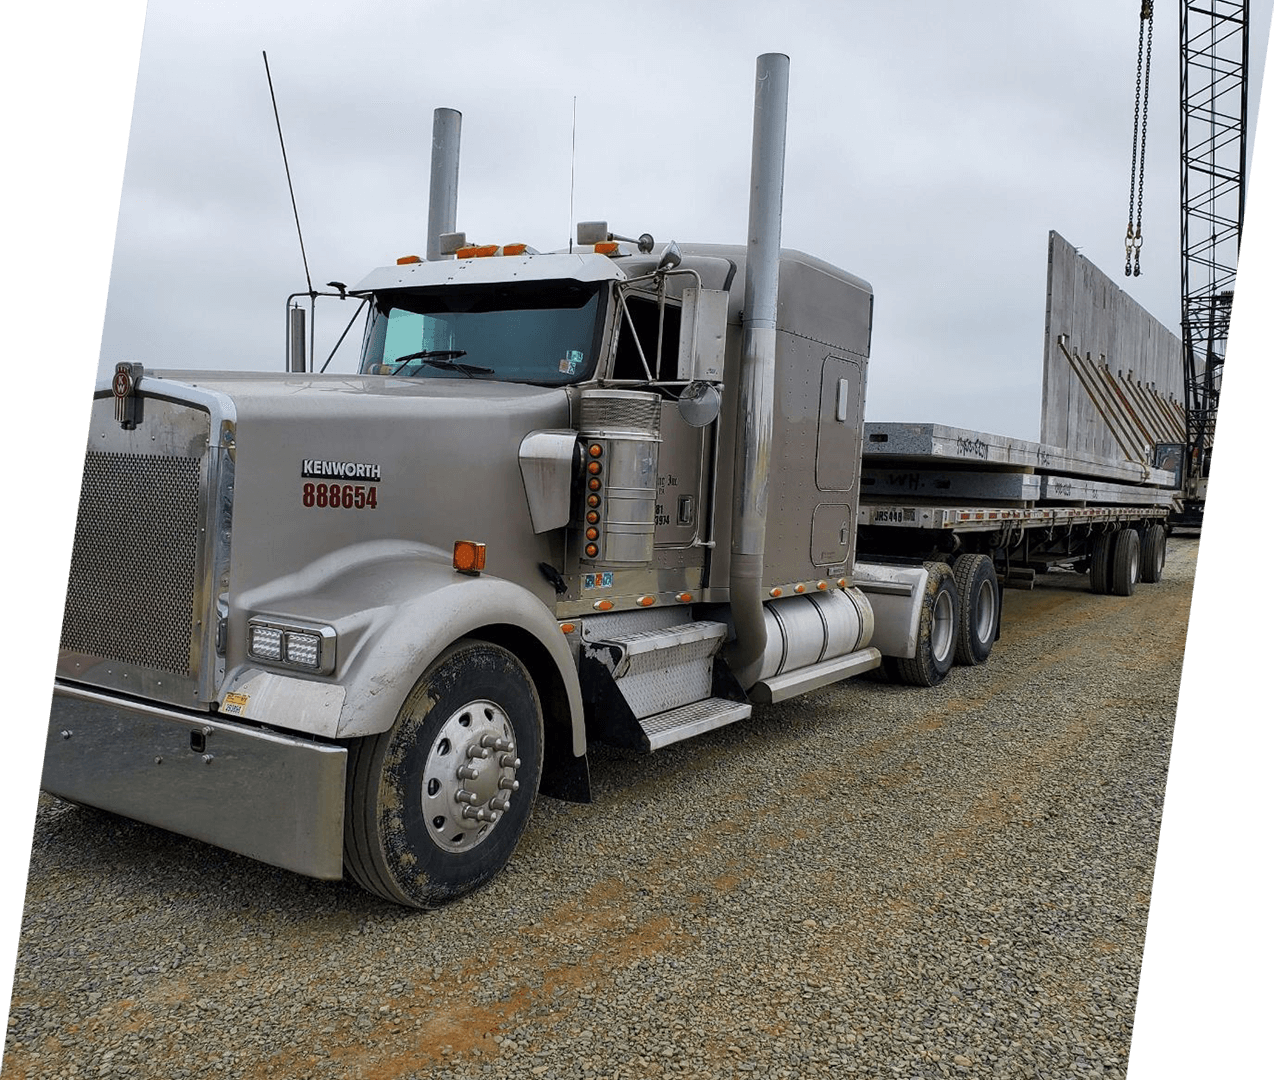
<point x="931" y="147"/>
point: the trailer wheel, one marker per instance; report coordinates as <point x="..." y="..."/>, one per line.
<point x="1154" y="550"/>
<point x="979" y="608"/>
<point x="936" y="644"/>
<point x="436" y="804"/>
<point x="1126" y="562"/>
<point x="1099" y="562"/>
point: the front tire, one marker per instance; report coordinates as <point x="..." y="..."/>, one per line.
<point x="436" y="805"/>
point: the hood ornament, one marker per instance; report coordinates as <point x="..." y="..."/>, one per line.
<point x="128" y="406"/>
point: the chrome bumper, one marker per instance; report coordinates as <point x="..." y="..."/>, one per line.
<point x="272" y="797"/>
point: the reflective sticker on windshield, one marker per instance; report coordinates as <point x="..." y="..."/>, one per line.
<point x="570" y="363"/>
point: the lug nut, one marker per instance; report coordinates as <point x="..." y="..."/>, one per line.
<point x="469" y="797"/>
<point x="477" y="752"/>
<point x="508" y="785"/>
<point x="508" y="761"/>
<point x="467" y="772"/>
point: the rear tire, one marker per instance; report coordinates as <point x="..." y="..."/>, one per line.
<point x="936" y="637"/>
<point x="1154" y="550"/>
<point x="1099" y="557"/>
<point x="1126" y="562"/>
<point x="436" y="805"/>
<point x="979" y="608"/>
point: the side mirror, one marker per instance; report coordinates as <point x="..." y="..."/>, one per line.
<point x="670" y="257"/>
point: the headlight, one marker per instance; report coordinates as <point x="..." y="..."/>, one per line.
<point x="309" y="648"/>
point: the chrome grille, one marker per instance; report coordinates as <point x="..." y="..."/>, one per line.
<point x="604" y="411"/>
<point x="135" y="565"/>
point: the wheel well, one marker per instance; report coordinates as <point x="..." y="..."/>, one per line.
<point x="565" y="776"/>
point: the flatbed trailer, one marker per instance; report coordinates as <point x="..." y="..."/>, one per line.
<point x="982" y="512"/>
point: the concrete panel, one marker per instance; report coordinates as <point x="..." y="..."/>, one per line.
<point x="911" y="444"/>
<point x="950" y="484"/>
<point x="1106" y="340"/>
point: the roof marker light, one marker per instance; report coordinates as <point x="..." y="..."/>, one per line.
<point x="407" y="260"/>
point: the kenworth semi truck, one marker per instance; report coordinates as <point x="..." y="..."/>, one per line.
<point x="353" y="623"/>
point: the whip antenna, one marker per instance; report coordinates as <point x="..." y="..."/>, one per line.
<point x="304" y="262"/>
<point x="570" y="232"/>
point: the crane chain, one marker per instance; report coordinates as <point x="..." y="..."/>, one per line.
<point x="1141" y="116"/>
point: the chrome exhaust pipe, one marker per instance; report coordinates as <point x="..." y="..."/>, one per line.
<point x="755" y="426"/>
<point x="444" y="179"/>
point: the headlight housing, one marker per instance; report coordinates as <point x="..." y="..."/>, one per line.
<point x="305" y="648"/>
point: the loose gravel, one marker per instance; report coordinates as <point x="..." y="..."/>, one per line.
<point x="870" y="881"/>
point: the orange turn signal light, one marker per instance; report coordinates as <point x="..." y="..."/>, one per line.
<point x="407" y="260"/>
<point x="469" y="557"/>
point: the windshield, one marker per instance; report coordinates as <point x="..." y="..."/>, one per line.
<point x="534" y="332"/>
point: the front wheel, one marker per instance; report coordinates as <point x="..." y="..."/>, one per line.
<point x="436" y="805"/>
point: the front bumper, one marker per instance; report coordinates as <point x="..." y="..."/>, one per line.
<point x="271" y="797"/>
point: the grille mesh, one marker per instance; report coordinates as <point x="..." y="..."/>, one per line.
<point x="601" y="413"/>
<point x="131" y="590"/>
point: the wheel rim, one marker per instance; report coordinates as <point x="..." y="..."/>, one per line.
<point x="470" y="776"/>
<point x="942" y="633"/>
<point x="984" y="612"/>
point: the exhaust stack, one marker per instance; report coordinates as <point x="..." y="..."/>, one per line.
<point x="444" y="179"/>
<point x="755" y="424"/>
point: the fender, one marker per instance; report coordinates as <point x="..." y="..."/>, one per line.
<point x="897" y="595"/>
<point x="395" y="606"/>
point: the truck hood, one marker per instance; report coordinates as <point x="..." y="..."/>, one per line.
<point x="326" y="462"/>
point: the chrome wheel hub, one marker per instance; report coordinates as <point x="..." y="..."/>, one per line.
<point x="470" y="776"/>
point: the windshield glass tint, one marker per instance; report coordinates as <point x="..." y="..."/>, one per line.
<point x="537" y="332"/>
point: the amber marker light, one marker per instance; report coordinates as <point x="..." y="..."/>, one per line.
<point x="592" y="517"/>
<point x="684" y="597"/>
<point x="594" y="467"/>
<point x="603" y="605"/>
<point x="594" y="484"/>
<point x="822" y="586"/>
<point x="840" y="583"/>
<point x="606" y="247"/>
<point x="594" y="500"/>
<point x="800" y="588"/>
<point x="645" y="601"/>
<point x="469" y="557"/>
<point x="595" y="450"/>
<point x="591" y="533"/>
<point x="590" y="550"/>
<point x="776" y="592"/>
<point x="407" y="260"/>
<point x="568" y="628"/>
<point x="513" y="249"/>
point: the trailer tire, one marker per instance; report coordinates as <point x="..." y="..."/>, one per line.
<point x="979" y="608"/>
<point x="1154" y="550"/>
<point x="1100" y="551"/>
<point x="1125" y="566"/>
<point x="936" y="637"/>
<point x="412" y="834"/>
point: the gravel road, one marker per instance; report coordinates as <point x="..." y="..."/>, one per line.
<point x="870" y="880"/>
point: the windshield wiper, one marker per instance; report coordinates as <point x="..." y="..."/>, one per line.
<point x="443" y="359"/>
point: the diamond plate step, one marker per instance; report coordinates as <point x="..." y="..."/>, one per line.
<point x="687" y="721"/>
<point x="660" y="668"/>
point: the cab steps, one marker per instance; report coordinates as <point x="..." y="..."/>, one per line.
<point x="658" y="684"/>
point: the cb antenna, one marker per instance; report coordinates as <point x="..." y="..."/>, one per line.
<point x="570" y="234"/>
<point x="292" y="194"/>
